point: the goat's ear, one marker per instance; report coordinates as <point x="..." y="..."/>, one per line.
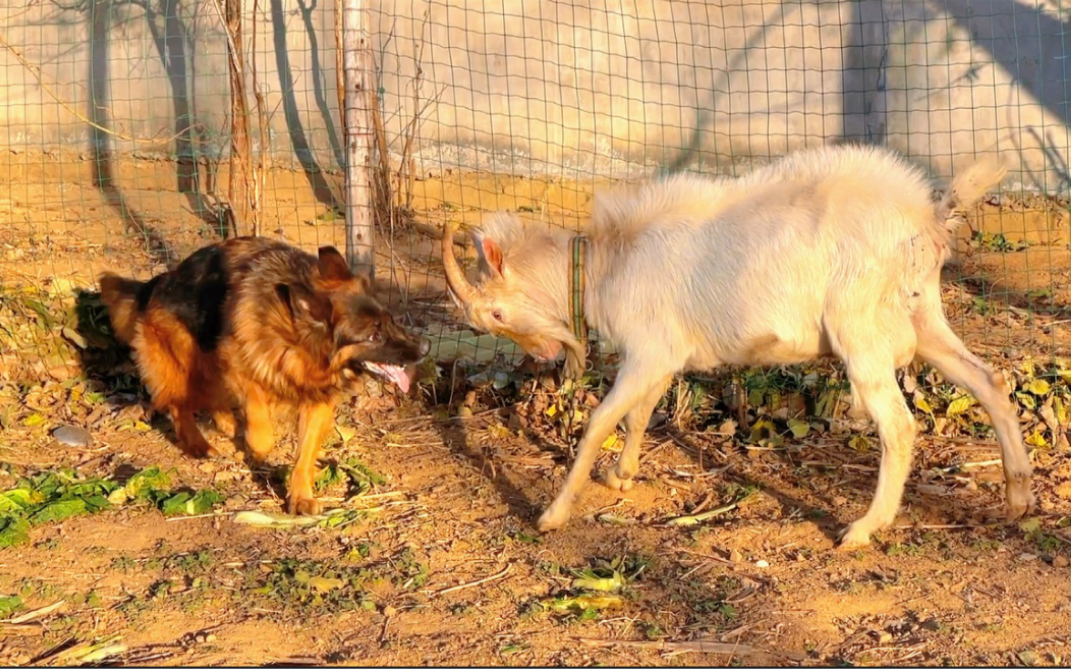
<point x="490" y="254"/>
<point x="333" y="266"/>
<point x="303" y="304"/>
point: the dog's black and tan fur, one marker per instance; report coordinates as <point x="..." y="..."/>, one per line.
<point x="256" y="323"/>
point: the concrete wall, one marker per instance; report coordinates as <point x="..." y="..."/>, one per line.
<point x="581" y="85"/>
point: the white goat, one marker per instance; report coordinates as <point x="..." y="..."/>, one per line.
<point x="831" y="251"/>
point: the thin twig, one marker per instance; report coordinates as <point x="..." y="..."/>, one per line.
<point x="36" y="614"/>
<point x="493" y="577"/>
<point x="685" y="646"/>
<point x="35" y="71"/>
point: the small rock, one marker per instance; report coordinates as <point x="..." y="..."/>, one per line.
<point x="211" y="637"/>
<point x="761" y="564"/>
<point x="885" y="638"/>
<point x="389" y="611"/>
<point x="735" y="556"/>
<point x="72" y="436"/>
<point x="1027" y="557"/>
<point x="1060" y="561"/>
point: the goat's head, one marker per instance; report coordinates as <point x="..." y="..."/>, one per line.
<point x="521" y="290"/>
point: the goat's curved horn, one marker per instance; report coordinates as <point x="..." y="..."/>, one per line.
<point x="455" y="276"/>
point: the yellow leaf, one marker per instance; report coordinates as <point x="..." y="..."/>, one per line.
<point x="142" y="427"/>
<point x="345" y="432"/>
<point x="762" y="429"/>
<point x="551" y="411"/>
<point x="1036" y="439"/>
<point x="959" y="406"/>
<point x="33" y="420"/>
<point x="610" y="443"/>
<point x="1037" y="386"/>
<point x="859" y="443"/>
<point x="922" y="404"/>
<point x="799" y="428"/>
<point x="325" y="584"/>
<point x="1061" y="411"/>
<point x="1065" y="375"/>
<point x="1027" y="367"/>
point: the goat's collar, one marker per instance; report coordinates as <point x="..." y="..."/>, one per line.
<point x="577" y="321"/>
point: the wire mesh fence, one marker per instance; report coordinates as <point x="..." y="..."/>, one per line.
<point x="120" y="121"/>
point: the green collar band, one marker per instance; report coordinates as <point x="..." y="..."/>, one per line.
<point x="576" y="290"/>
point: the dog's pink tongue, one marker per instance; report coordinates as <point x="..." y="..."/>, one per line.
<point x="398" y="376"/>
<point x="394" y="373"/>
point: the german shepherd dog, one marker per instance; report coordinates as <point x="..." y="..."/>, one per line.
<point x="257" y="323"/>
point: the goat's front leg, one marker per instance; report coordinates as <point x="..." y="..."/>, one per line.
<point x="575" y="361"/>
<point x="633" y="384"/>
<point x="619" y="477"/>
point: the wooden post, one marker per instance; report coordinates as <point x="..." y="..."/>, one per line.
<point x="360" y="252"/>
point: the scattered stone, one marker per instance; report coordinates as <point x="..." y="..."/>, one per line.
<point x="389" y="611"/>
<point x="735" y="556"/>
<point x="72" y="436"/>
<point x="761" y="564"/>
<point x="885" y="637"/>
<point x="1060" y="561"/>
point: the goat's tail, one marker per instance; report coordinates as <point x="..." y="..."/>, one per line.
<point x="120" y="295"/>
<point x="967" y="188"/>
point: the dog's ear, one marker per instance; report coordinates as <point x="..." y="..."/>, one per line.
<point x="333" y="265"/>
<point x="303" y="304"/>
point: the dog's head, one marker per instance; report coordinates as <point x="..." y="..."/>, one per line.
<point x="362" y="333"/>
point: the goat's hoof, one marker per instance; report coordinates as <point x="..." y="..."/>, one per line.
<point x="1017" y="508"/>
<point x="615" y="482"/>
<point x="553" y="518"/>
<point x="854" y="536"/>
<point x="298" y="504"/>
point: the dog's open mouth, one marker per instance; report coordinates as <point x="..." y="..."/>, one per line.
<point x="392" y="373"/>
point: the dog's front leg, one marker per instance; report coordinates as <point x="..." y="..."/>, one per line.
<point x="314" y="420"/>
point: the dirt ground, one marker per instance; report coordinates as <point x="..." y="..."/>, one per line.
<point x="723" y="554"/>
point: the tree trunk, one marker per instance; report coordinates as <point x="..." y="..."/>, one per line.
<point x="240" y="175"/>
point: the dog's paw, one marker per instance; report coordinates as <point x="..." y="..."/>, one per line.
<point x="303" y="505"/>
<point x="201" y="449"/>
<point x="226" y="424"/>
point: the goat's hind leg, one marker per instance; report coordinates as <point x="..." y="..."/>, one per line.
<point x="939" y="346"/>
<point x="620" y="475"/>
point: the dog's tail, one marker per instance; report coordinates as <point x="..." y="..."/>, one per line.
<point x="121" y="295"/>
<point x="967" y="188"/>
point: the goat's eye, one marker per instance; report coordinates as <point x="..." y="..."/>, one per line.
<point x="497" y="315"/>
<point x="375" y="337"/>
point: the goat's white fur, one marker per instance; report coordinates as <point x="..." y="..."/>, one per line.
<point x="830" y="251"/>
